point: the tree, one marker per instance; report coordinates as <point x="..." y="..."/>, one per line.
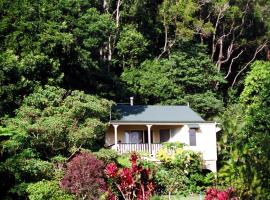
<point x="240" y="32"/>
<point x="256" y="98"/>
<point x="247" y="167"/>
<point x="51" y="122"/>
<point x="57" y="121"/>
<point x="180" y="22"/>
<point x="186" y="76"/>
<point x="51" y="42"/>
<point x="131" y="46"/>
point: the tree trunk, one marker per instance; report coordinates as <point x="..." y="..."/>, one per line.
<point x="117" y="17"/>
<point x="165" y="42"/>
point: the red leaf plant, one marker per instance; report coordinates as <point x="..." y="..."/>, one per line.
<point x="215" y="194"/>
<point x="84" y="177"/>
<point x="129" y="183"/>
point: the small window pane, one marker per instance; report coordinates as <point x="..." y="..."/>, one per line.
<point x="192" y="137"/>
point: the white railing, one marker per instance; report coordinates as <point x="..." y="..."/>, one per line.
<point x="128" y="147"/>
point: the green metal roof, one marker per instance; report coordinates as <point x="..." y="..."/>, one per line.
<point x="156" y="113"/>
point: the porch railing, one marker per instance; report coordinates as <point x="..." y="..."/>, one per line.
<point x="128" y="147"/>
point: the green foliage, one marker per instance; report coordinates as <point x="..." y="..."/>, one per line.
<point x="131" y="46"/>
<point x="50" y="125"/>
<point x="181" y="170"/>
<point x="247" y="166"/>
<point x="124" y="160"/>
<point x="47" y="190"/>
<point x="181" y="15"/>
<point x="57" y="121"/>
<point x="173" y="145"/>
<point x="185" y="76"/>
<point x="22" y="168"/>
<point x="231" y="124"/>
<point x="107" y="155"/>
<point x="49" y="42"/>
<point x="256" y="98"/>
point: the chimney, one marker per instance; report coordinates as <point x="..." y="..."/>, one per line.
<point x="131" y="101"/>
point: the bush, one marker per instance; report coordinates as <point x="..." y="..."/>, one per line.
<point x="214" y="193"/>
<point x="124" y="160"/>
<point x="107" y="155"/>
<point x="48" y="190"/>
<point x="129" y="183"/>
<point x="84" y="176"/>
<point x="181" y="171"/>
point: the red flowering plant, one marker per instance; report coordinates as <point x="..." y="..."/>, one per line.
<point x="129" y="183"/>
<point x="215" y="194"/>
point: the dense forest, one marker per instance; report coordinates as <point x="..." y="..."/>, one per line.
<point x="64" y="63"/>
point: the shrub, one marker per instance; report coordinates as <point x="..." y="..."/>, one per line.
<point x="130" y="183"/>
<point x="124" y="160"/>
<point x="215" y="194"/>
<point x="181" y="170"/>
<point x="172" y="180"/>
<point x="173" y="145"/>
<point x="84" y="176"/>
<point x="48" y="190"/>
<point x="107" y="155"/>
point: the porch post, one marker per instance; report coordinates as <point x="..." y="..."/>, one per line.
<point x="115" y="136"/>
<point x="149" y="138"/>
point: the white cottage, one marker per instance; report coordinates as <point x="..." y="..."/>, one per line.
<point x="144" y="128"/>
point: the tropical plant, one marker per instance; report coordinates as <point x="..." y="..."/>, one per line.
<point x="129" y="183"/>
<point x="215" y="194"/>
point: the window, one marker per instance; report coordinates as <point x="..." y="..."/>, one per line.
<point x="134" y="136"/>
<point x="192" y="137"/>
<point x="164" y="135"/>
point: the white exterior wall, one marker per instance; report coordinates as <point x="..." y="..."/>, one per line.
<point x="205" y="142"/>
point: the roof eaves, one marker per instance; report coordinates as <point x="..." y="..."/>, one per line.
<point x="158" y="122"/>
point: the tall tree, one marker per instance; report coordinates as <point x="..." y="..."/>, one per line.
<point x="186" y="76"/>
<point x="52" y="42"/>
<point x="52" y="122"/>
<point x="247" y="137"/>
